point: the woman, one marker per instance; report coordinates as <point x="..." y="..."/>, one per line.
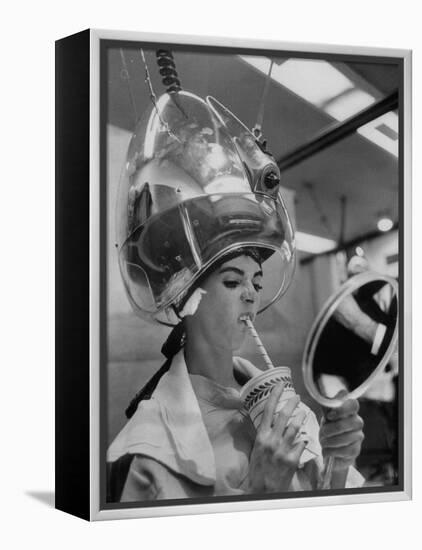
<point x="199" y="256"/>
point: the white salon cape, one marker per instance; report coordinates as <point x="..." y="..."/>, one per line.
<point x="193" y="439"/>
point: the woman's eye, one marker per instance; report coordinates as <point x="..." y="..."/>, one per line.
<point x="231" y="284"/>
<point x="235" y="284"/>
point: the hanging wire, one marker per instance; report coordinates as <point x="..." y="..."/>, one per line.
<point x="324" y="220"/>
<point x="153" y="98"/>
<point x="126" y="76"/>
<point x="343" y="219"/>
<point x="257" y="129"/>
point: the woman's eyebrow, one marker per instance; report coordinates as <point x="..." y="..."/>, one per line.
<point x="239" y="271"/>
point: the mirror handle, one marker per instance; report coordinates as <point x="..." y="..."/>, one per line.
<point x="327" y="474"/>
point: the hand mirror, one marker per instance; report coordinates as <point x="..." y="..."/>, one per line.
<point x="351" y="342"/>
<point x="352" y="339"/>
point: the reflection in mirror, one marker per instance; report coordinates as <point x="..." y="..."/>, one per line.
<point x="355" y="338"/>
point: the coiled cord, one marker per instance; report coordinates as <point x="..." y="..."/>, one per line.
<point x="167" y="68"/>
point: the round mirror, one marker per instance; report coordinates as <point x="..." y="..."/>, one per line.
<point x="352" y="339"/>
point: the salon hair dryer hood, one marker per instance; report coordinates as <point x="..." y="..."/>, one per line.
<point x="196" y="185"/>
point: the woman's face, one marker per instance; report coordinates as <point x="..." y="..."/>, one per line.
<point x="232" y="291"/>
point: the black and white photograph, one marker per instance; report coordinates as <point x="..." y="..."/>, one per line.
<point x="210" y="290"/>
<point x="252" y="269"/>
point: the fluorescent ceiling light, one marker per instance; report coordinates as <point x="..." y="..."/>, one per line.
<point x="388" y="142"/>
<point x="392" y="120"/>
<point x="313" y="244"/>
<point x="349" y="104"/>
<point x="315" y="81"/>
<point x="260" y="63"/>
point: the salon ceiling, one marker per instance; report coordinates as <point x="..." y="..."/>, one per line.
<point x="354" y="167"/>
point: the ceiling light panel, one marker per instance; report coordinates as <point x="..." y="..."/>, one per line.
<point x="349" y="104"/>
<point x="315" y="81"/>
<point x="388" y="142"/>
<point x="313" y="244"/>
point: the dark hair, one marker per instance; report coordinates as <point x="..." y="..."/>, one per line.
<point x="251" y="251"/>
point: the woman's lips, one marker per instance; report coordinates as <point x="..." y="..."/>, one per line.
<point x="246" y="316"/>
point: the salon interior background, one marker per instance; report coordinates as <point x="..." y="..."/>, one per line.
<point x="333" y="127"/>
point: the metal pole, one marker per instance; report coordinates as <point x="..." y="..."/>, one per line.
<point x="353" y="242"/>
<point x="343" y="203"/>
<point x="338" y="131"/>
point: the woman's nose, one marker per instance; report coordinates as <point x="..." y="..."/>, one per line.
<point x="249" y="294"/>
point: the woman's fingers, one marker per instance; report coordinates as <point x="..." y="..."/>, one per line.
<point x="298" y="450"/>
<point x="291" y="456"/>
<point x="270" y="406"/>
<point x="350" y="452"/>
<point x="343" y="440"/>
<point x="349" y="408"/>
<point x="275" y="455"/>
<point x="280" y="422"/>
<point x="289" y="427"/>
<point x="333" y="428"/>
<point x="341" y="434"/>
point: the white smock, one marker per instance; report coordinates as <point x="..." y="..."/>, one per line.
<point x="193" y="439"/>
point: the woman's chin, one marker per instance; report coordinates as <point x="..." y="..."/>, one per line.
<point x="233" y="337"/>
<point x="238" y="341"/>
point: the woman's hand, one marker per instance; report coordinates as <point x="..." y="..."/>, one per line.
<point x="341" y="435"/>
<point x="275" y="455"/>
